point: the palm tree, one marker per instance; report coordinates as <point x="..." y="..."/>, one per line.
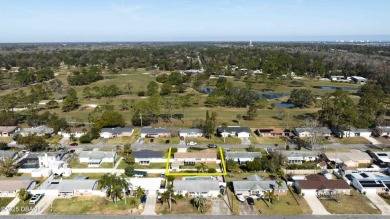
<point x="224" y="127"/>
<point x="114" y="186"/>
<point x="139" y="191"/>
<point x="269" y="195"/>
<point x="23" y="194"/>
<point x="202" y="167"/>
<point x="7" y="167"/>
<point x="279" y="183"/>
<point x="198" y="202"/>
<point x="167" y="196"/>
<point x="56" y="143"/>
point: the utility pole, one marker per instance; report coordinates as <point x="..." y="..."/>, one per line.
<point x="140" y="116"/>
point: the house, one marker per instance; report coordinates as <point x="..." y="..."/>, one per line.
<point x="27" y="160"/>
<point x="6" y="131"/>
<point x="370" y="182"/>
<point x="48" y="159"/>
<point x="352" y="132"/>
<point x="151" y="185"/>
<point x="205" y="188"/>
<point x="95" y="158"/>
<point x="203" y="156"/>
<point x="358" y="79"/>
<point x="308" y="132"/>
<point x="70" y="187"/>
<point x="272" y="132"/>
<point x="350" y="159"/>
<point x="237" y="131"/>
<point x="319" y="185"/>
<point x="150" y="132"/>
<point x="76" y="132"/>
<point x="15" y="69"/>
<point x="145" y="157"/>
<point x="117" y="132"/>
<point x="10" y="188"/>
<point x="38" y="131"/>
<point x="298" y="157"/>
<point x="242" y="157"/>
<point x="257" y="186"/>
<point x="190" y="133"/>
<point x="337" y="77"/>
<point x="381" y="157"/>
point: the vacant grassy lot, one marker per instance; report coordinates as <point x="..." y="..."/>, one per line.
<point x="92" y="205"/>
<point x="4" y="201"/>
<point x="150" y="166"/>
<point x="122" y="140"/>
<point x="285" y="206"/>
<point x="271" y="141"/>
<point x="182" y="206"/>
<point x="215" y="140"/>
<point x="355" y="203"/>
<point x="352" y="140"/>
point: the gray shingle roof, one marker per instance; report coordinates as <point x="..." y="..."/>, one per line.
<point x="323" y="130"/>
<point x="96" y="154"/>
<point x="299" y="153"/>
<point x="71" y="185"/>
<point x="118" y="130"/>
<point x="195" y="185"/>
<point x="40" y="130"/>
<point x="254" y="177"/>
<point x="191" y="131"/>
<point x="148" y="154"/>
<point x="251" y="185"/>
<point x="232" y="155"/>
<point x="151" y="130"/>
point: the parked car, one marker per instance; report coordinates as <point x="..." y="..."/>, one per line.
<point x="191" y="143"/>
<point x="35" y="199"/>
<point x="212" y="146"/>
<point x="74" y="144"/>
<point x="250" y="201"/>
<point x="182" y="138"/>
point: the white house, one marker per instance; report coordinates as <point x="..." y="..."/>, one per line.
<point x="308" y="132"/>
<point x="76" y="132"/>
<point x="208" y="156"/>
<point x="6" y="131"/>
<point x="39" y="131"/>
<point x="71" y="187"/>
<point x="297" y="157"/>
<point x="205" y="188"/>
<point x="10" y="188"/>
<point x="145" y="157"/>
<point x="117" y="132"/>
<point x="95" y="158"/>
<point x="382" y="157"/>
<point x="255" y="185"/>
<point x="150" y="185"/>
<point x="352" y="132"/>
<point x="370" y="182"/>
<point x="237" y="131"/>
<point x="242" y="157"/>
<point x="190" y="133"/>
<point x="150" y="132"/>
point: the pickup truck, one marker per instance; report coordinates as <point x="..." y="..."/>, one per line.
<point x="191" y="143"/>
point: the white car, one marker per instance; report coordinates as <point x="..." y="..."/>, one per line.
<point x="191" y="143"/>
<point x="35" y="199"/>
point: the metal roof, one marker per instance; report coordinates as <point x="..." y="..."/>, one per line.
<point x="195" y="185"/>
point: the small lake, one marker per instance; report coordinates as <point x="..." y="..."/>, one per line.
<point x="207" y="90"/>
<point x="286" y="105"/>
<point x="272" y="95"/>
<point x="335" y="88"/>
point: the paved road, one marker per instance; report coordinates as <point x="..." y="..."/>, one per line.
<point x="315" y="205"/>
<point x="380" y="203"/>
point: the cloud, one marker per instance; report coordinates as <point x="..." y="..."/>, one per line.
<point x="130" y="11"/>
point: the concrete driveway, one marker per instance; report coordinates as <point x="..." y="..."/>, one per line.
<point x="245" y="141"/>
<point x="373" y="140"/>
<point x="315" y="205"/>
<point x="246" y="209"/>
<point x="150" y="205"/>
<point x="42" y="205"/>
<point x="380" y="203"/>
<point x="219" y="207"/>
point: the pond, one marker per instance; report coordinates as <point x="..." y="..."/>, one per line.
<point x="207" y="90"/>
<point x="286" y="105"/>
<point x="272" y="95"/>
<point x="335" y="88"/>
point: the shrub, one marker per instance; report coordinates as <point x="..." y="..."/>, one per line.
<point x="211" y="170"/>
<point x="3" y="146"/>
<point x="85" y="139"/>
<point x="219" y="196"/>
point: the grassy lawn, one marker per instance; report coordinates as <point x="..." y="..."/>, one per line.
<point x="91" y="205"/>
<point x="150" y="166"/>
<point x="355" y="203"/>
<point x="6" y="139"/>
<point x="162" y="140"/>
<point x="122" y="140"/>
<point x="182" y="206"/>
<point x="89" y="175"/>
<point x="352" y="140"/>
<point x="106" y="165"/>
<point x="54" y="139"/>
<point x="4" y="201"/>
<point x="23" y="207"/>
<point x="269" y="140"/>
<point x="122" y="165"/>
<point x="234" y="202"/>
<point x="215" y="140"/>
<point x="285" y="206"/>
<point x="75" y="163"/>
<point x="385" y="197"/>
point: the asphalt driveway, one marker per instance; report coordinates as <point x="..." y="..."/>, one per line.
<point x="245" y="141"/>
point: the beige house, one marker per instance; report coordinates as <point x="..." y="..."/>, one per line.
<point x="6" y="131"/>
<point x="10" y="188"/>
<point x="350" y="159"/>
<point x="191" y="158"/>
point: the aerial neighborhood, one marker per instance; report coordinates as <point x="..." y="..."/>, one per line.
<point x="213" y="129"/>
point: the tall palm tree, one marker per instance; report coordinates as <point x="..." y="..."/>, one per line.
<point x="279" y="183"/>
<point x="23" y="194"/>
<point x="198" y="202"/>
<point x="202" y="167"/>
<point x="167" y="196"/>
<point x="140" y="191"/>
<point x="7" y="167"/>
<point x="114" y="186"/>
<point x="269" y="195"/>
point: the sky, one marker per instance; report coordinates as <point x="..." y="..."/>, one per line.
<point x="193" y="20"/>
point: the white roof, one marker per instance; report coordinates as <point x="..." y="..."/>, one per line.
<point x="146" y="183"/>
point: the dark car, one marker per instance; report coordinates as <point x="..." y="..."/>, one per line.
<point x="143" y="199"/>
<point x="250" y="201"/>
<point x="74" y="144"/>
<point x="212" y="146"/>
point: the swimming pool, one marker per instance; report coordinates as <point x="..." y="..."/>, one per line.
<point x="198" y="178"/>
